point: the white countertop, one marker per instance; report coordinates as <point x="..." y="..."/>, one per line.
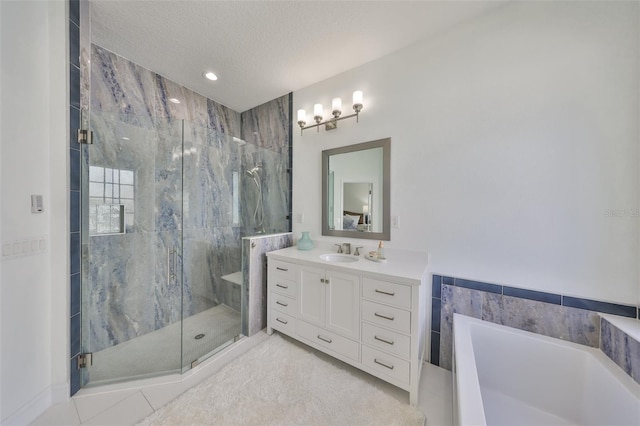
<point x="401" y="265"/>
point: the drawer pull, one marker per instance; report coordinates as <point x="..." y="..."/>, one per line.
<point x="384" y="364"/>
<point x="282" y="286"/>
<point x="388" y="342"/>
<point x="385" y="292"/>
<point x="282" y="321"/>
<point x="324" y="339"/>
<point x="384" y="316"/>
<point x="282" y="304"/>
<point x="282" y="269"/>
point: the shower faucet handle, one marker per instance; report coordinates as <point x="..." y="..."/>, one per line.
<point x="339" y="247"/>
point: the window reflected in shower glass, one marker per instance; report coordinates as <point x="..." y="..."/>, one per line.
<point x="111" y="200"/>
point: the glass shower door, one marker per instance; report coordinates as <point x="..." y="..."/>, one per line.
<point x="132" y="249"/>
<point x="212" y="277"/>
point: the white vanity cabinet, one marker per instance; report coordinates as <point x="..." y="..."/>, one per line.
<point x="330" y="299"/>
<point x="368" y="315"/>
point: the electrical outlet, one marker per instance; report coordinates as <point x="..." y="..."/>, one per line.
<point x="300" y="217"/>
<point x="395" y="221"/>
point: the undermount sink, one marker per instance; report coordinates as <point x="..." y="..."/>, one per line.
<point x="338" y="258"/>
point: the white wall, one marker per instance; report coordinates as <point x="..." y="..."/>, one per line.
<point x="512" y="136"/>
<point x="32" y="136"/>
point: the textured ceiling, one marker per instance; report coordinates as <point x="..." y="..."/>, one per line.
<point x="261" y="50"/>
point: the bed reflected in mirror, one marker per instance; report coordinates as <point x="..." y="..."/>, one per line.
<point x="355" y="187"/>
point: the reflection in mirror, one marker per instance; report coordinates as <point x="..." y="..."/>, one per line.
<point x="355" y="185"/>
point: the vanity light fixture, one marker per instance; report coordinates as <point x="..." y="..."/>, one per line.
<point x="336" y="110"/>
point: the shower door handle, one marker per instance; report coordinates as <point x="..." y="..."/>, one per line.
<point x="172" y="265"/>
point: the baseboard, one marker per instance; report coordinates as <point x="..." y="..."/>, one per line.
<point x="31" y="410"/>
<point x="60" y="393"/>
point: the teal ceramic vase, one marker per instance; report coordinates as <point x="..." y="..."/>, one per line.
<point x="305" y="243"/>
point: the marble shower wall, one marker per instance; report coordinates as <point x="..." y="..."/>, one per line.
<point x="267" y="132"/>
<point x="129" y="292"/>
<point x="254" y="273"/>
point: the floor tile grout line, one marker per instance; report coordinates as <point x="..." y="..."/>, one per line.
<point x="146" y="399"/>
<point x="75" y="407"/>
<point x="107" y="408"/>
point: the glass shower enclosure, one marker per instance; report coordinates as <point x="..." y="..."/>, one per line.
<point x="162" y="228"/>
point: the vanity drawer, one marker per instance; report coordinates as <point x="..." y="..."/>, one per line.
<point x="283" y="304"/>
<point x="386" y="340"/>
<point x="386" y="316"/>
<point x="329" y="340"/>
<point x="386" y="364"/>
<point x="284" y="287"/>
<point x="283" y="322"/>
<point x="283" y="270"/>
<point x="382" y="291"/>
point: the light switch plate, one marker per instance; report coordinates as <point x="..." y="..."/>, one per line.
<point x="395" y="221"/>
<point x="36" y="204"/>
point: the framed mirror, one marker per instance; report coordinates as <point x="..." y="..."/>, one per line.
<point x="355" y="190"/>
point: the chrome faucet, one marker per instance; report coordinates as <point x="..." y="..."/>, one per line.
<point x="339" y="247"/>
<point x="346" y="248"/>
<point x="356" y="252"/>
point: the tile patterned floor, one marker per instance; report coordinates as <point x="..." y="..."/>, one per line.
<point x="112" y="405"/>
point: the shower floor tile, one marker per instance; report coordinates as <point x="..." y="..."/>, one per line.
<point x="159" y="352"/>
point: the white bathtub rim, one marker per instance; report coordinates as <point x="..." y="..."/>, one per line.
<point x="469" y="391"/>
<point x="468" y="395"/>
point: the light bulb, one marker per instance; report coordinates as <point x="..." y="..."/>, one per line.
<point x="357" y="97"/>
<point x="317" y="110"/>
<point x="302" y="115"/>
<point x="336" y="104"/>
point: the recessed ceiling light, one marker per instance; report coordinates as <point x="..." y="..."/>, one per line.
<point x="211" y="76"/>
<point x="125" y="138"/>
<point x="174" y="100"/>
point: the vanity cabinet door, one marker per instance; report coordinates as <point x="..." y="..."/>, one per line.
<point x="312" y="291"/>
<point x="343" y="303"/>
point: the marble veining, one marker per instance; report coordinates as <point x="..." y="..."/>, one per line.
<point x="571" y="324"/>
<point x="185" y="157"/>
<point x="623" y="349"/>
<point x="254" y="272"/>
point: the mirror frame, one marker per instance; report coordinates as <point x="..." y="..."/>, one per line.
<point x="385" y="235"/>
